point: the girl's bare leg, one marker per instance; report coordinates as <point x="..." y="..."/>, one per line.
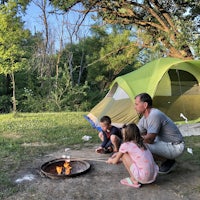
<point x="127" y="161"/>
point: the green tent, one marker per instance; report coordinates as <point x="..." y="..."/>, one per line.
<point x="172" y="83"/>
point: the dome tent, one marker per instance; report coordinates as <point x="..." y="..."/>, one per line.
<point x="173" y="84"/>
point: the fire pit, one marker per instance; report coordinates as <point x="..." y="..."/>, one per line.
<point x="77" y="167"/>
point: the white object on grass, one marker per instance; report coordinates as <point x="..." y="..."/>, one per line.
<point x="185" y="118"/>
<point x="86" y="137"/>
<point x="28" y="177"/>
<point x="67" y="149"/>
<point x="189" y="150"/>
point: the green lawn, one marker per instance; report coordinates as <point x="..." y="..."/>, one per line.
<point x="26" y="136"/>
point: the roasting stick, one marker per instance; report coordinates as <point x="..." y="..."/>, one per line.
<point x="68" y="157"/>
<point x="92" y="159"/>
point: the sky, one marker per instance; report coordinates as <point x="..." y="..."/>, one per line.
<point x="33" y="21"/>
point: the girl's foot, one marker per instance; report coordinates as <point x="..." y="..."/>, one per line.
<point x="128" y="182"/>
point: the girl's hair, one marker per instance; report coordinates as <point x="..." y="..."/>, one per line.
<point x="132" y="133"/>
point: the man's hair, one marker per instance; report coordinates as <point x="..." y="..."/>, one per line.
<point x="105" y="119"/>
<point x="144" y="97"/>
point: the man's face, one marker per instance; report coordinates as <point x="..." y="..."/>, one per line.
<point x="140" y="106"/>
<point x="104" y="126"/>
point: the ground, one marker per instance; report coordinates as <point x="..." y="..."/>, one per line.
<point x="102" y="181"/>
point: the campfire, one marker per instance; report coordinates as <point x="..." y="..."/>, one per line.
<point x="62" y="168"/>
<point x="65" y="169"/>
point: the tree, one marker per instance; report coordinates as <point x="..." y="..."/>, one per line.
<point x="46" y="47"/>
<point x="167" y="24"/>
<point x="112" y="52"/>
<point x="21" y="3"/>
<point x="13" y="45"/>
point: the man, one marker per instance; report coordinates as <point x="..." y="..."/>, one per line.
<point x="160" y="133"/>
<point x="110" y="136"/>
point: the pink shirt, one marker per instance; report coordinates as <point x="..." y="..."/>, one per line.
<point x="144" y="168"/>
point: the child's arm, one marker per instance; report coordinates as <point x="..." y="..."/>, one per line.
<point x="104" y="141"/>
<point x="115" y="159"/>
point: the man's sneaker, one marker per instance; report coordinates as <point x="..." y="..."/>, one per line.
<point x="167" y="166"/>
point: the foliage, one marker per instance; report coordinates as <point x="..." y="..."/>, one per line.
<point x="5" y="104"/>
<point x="109" y="52"/>
<point x="170" y="25"/>
<point x="13" y="41"/>
<point x="5" y="91"/>
<point x="78" y="75"/>
<point x="120" y="52"/>
<point x="74" y="98"/>
<point x="99" y="58"/>
<point x="21" y="3"/>
<point x="13" y="44"/>
<point x="64" y="97"/>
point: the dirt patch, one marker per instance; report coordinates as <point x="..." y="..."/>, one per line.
<point x="11" y="135"/>
<point x="37" y="144"/>
<point x="102" y="181"/>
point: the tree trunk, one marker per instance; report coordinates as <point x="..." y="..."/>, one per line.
<point x="12" y="76"/>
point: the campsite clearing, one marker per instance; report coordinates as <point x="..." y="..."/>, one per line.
<point x="102" y="181"/>
<point x="29" y="140"/>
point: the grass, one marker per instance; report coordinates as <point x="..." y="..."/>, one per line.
<point x="24" y="137"/>
<point x="194" y="143"/>
<point x="27" y="136"/>
<point x="191" y="142"/>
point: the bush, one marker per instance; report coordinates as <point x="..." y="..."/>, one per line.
<point x="5" y="104"/>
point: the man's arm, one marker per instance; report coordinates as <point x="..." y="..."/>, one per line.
<point x="149" y="138"/>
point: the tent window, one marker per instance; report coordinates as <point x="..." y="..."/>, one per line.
<point x="174" y="75"/>
<point x="120" y="94"/>
<point x="117" y="93"/>
<point x="181" y="81"/>
<point x="112" y="90"/>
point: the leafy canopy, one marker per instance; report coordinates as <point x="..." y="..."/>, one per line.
<point x="13" y="40"/>
<point x="172" y="24"/>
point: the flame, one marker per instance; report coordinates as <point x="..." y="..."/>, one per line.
<point x="66" y="168"/>
<point x="59" y="170"/>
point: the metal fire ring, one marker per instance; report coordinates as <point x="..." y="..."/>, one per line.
<point x="78" y="167"/>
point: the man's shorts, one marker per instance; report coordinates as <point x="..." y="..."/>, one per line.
<point x="167" y="150"/>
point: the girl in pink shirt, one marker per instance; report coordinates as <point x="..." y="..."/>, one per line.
<point x="135" y="156"/>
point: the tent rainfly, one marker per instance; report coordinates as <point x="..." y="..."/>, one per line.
<point x="173" y="84"/>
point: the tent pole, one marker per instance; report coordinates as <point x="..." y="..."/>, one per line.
<point x="181" y="92"/>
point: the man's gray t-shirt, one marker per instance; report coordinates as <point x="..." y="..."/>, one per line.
<point x="157" y="122"/>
